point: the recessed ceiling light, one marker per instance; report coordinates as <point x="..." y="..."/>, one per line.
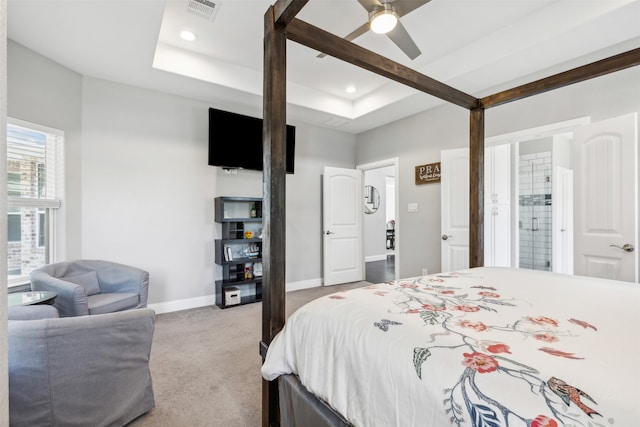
<point x="188" y="36"/>
<point x="351" y="89"/>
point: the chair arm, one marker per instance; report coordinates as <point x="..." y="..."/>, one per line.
<point x="114" y="277"/>
<point x="71" y="299"/>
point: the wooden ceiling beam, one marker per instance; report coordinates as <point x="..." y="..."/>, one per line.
<point x="286" y="10"/>
<point x="325" y="42"/>
<point x="595" y="69"/>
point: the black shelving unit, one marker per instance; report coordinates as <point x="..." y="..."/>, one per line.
<point x="239" y="251"/>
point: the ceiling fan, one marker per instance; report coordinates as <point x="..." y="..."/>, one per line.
<point x="389" y="10"/>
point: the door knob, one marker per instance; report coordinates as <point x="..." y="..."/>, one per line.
<point x="329" y="232"/>
<point x="445" y="237"/>
<point x="627" y="247"/>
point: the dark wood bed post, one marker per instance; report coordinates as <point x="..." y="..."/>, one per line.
<point x="273" y="204"/>
<point x="274" y="187"/>
<point x="476" y="188"/>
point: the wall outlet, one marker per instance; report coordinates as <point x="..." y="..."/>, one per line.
<point x="425" y="271"/>
<point x="412" y="207"/>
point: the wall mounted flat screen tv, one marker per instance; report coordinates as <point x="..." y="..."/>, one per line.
<point x="235" y="141"/>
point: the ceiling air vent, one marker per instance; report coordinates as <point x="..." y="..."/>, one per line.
<point x="203" y="8"/>
<point x="336" y="122"/>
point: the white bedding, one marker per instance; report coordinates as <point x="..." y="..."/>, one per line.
<point x="484" y="347"/>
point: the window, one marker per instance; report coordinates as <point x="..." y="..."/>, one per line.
<point x="15" y="228"/>
<point x="42" y="228"/>
<point x="34" y="175"/>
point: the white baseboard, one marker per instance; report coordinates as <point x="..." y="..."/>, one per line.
<point x="375" y="258"/>
<point x="183" y="304"/>
<point x="304" y="284"/>
<point x="203" y="301"/>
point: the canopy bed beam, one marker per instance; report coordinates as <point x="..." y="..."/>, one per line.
<point x="595" y="69"/>
<point x="325" y="42"/>
<point x="274" y="201"/>
<point x="285" y="10"/>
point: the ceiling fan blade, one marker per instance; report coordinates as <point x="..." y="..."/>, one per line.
<point x="357" y="32"/>
<point x="352" y="35"/>
<point x="405" y="6"/>
<point x="403" y="40"/>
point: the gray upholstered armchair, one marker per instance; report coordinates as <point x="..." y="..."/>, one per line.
<point x="78" y="371"/>
<point x="92" y="286"/>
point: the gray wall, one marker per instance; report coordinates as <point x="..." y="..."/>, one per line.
<point x="138" y="183"/>
<point x="41" y="91"/>
<point x="315" y="148"/>
<point x="419" y="139"/>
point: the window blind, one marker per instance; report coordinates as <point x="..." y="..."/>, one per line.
<point x="34" y="155"/>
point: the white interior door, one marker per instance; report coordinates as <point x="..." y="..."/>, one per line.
<point x="497" y="207"/>
<point x="342" y="225"/>
<point x="454" y="196"/>
<point x="562" y="222"/>
<point x="497" y="235"/>
<point x="606" y="202"/>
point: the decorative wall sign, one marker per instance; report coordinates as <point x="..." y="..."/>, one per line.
<point x="426" y="174"/>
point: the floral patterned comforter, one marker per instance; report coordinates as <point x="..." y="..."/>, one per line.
<point x="484" y="347"/>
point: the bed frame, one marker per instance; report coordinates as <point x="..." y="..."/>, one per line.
<point x="280" y="25"/>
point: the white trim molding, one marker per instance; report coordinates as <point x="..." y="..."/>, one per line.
<point x="183" y="304"/>
<point x="304" y="284"/>
<point x="207" y="300"/>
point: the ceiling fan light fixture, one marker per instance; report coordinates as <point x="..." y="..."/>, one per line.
<point x="382" y="20"/>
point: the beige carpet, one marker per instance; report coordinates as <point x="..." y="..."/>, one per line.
<point x="205" y="364"/>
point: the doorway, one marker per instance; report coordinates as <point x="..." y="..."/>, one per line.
<point x="380" y="222"/>
<point x="540" y="196"/>
<point x="535" y="202"/>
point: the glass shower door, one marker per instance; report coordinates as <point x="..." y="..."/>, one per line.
<point x="535" y="210"/>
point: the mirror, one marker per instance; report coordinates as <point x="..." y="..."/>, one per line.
<point x="371" y="199"/>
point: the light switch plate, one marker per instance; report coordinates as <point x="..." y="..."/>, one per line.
<point x="412" y="207"/>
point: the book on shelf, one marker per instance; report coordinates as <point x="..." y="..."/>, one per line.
<point x="228" y="254"/>
<point x="257" y="269"/>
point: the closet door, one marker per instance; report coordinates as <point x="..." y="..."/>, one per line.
<point x="497" y="219"/>
<point x="502" y="174"/>
<point x="497" y="174"/>
<point x="502" y="236"/>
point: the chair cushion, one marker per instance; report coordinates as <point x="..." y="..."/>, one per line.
<point x="89" y="281"/>
<point x="107" y="303"/>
